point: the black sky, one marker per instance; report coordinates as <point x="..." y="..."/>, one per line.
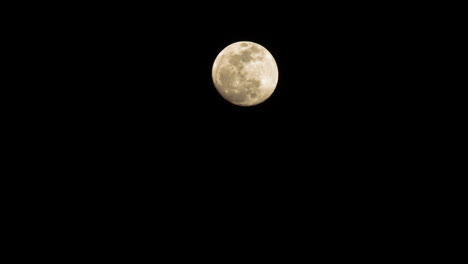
<point x="134" y="84"/>
<point x="340" y="68"/>
<point x="135" y="126"/>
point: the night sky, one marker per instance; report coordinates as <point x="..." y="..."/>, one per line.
<point x="132" y="112"/>
<point x="141" y="83"/>
<point x="340" y="75"/>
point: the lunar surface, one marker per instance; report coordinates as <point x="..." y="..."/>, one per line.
<point x="245" y="73"/>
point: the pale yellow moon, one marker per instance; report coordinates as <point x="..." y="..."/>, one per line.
<point x="245" y="73"/>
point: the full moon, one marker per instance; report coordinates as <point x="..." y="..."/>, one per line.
<point x="245" y="73"/>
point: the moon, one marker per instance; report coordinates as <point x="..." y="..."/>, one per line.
<point x="245" y="73"/>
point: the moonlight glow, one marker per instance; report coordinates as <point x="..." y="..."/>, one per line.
<point x="245" y="73"/>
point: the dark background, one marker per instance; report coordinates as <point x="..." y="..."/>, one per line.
<point x="138" y="78"/>
<point x="125" y="146"/>
<point x="134" y="122"/>
<point x="128" y="140"/>
<point x="130" y="91"/>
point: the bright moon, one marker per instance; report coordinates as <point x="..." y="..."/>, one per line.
<point x="245" y="73"/>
